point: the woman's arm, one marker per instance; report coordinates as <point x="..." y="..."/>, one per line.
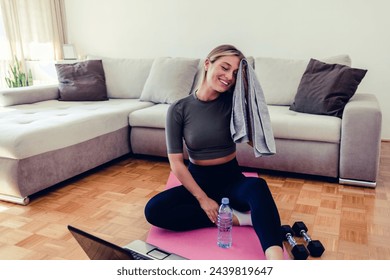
<point x="180" y="170"/>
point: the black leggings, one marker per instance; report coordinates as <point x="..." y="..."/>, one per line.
<point x="178" y="210"/>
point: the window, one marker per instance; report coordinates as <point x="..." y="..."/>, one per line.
<point x="36" y="31"/>
<point x="4" y="54"/>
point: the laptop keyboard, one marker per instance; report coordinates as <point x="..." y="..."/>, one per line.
<point x="138" y="256"/>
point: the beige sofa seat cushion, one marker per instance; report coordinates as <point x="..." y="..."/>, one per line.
<point x="150" y="117"/>
<point x="32" y="129"/>
<point x="288" y="124"/>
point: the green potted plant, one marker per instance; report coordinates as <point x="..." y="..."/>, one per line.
<point x="16" y="77"/>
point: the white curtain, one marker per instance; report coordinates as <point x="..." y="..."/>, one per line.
<point x="35" y="29"/>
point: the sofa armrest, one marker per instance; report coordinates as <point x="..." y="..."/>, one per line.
<point x="27" y="95"/>
<point x="360" y="141"/>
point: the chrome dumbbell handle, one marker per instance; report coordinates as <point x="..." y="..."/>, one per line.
<point x="306" y="237"/>
<point x="291" y="240"/>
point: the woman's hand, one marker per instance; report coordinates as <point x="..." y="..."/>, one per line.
<point x="210" y="207"/>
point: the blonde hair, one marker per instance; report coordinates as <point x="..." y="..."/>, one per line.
<point x="215" y="54"/>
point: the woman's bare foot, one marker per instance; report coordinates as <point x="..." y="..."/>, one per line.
<point x="235" y="221"/>
<point x="274" y="253"/>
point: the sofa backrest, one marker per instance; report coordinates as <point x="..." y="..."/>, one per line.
<point x="279" y="77"/>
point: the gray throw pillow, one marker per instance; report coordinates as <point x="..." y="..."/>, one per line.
<point x="82" y="81"/>
<point x="326" y="88"/>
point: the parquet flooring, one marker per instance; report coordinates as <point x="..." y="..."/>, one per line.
<point x="351" y="222"/>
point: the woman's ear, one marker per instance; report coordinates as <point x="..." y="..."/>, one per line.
<point x="206" y="64"/>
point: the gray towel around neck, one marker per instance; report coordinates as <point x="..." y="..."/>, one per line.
<point x="250" y="120"/>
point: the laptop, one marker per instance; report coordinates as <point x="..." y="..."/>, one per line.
<point x="99" y="249"/>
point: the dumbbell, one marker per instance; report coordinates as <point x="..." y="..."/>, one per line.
<point x="315" y="247"/>
<point x="299" y="251"/>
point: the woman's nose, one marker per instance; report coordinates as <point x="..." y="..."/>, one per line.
<point x="229" y="75"/>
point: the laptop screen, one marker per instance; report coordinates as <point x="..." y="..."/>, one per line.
<point x="99" y="249"/>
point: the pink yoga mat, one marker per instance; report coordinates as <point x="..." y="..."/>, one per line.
<point x="201" y="244"/>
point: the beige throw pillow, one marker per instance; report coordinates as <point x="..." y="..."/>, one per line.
<point x="125" y="77"/>
<point x="169" y="79"/>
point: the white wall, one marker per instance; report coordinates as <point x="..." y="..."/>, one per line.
<point x="277" y="28"/>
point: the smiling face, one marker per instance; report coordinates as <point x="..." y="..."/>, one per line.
<point x="221" y="74"/>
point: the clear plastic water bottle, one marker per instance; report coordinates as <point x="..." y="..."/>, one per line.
<point x="225" y="224"/>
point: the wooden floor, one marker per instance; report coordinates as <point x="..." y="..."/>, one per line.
<point x="351" y="222"/>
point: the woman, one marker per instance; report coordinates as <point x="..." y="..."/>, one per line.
<point x="202" y="120"/>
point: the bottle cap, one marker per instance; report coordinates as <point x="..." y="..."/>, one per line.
<point x="225" y="200"/>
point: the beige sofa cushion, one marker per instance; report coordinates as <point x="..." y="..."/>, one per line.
<point x="170" y="79"/>
<point x="280" y="77"/>
<point x="287" y="124"/>
<point x="32" y="129"/>
<point x="150" y="117"/>
<point x="125" y="77"/>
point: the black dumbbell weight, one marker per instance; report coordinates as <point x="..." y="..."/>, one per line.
<point x="299" y="251"/>
<point x="315" y="247"/>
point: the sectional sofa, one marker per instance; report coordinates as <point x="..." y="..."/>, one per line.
<point x="47" y="136"/>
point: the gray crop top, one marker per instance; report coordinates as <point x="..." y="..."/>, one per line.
<point x="204" y="126"/>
